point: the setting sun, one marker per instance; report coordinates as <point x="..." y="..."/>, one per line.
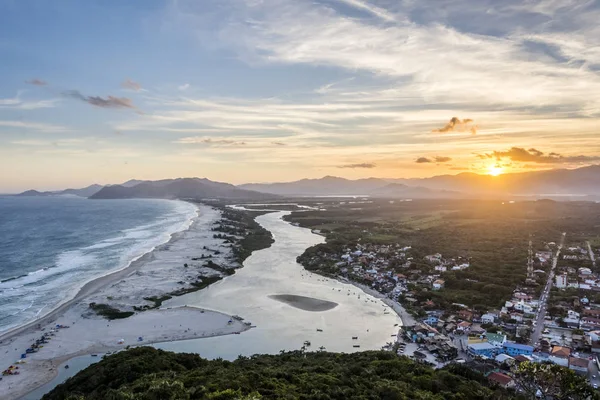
<point x="495" y="170"/>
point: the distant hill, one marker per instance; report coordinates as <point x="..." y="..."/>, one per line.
<point x="560" y="182"/>
<point x="177" y="189"/>
<point x="84" y="192"/>
<point x="329" y="185"/>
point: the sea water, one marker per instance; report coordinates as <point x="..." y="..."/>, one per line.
<point x="51" y="246"/>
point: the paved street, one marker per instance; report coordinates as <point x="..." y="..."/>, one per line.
<point x="539" y="322"/>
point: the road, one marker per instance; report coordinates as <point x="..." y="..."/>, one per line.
<point x="541" y="314"/>
<point x="592" y="257"/>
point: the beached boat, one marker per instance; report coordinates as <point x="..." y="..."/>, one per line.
<point x="319" y="330"/>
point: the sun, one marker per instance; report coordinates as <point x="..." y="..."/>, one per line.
<point x="495" y="170"/>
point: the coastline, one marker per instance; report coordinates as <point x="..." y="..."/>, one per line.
<point x="160" y="270"/>
<point x="95" y="285"/>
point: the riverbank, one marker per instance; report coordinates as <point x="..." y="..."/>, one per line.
<point x="178" y="266"/>
<point x="407" y="319"/>
<point x="90" y="336"/>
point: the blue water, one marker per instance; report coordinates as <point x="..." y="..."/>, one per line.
<point x="51" y="246"/>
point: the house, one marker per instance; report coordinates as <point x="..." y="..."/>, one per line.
<point x="560" y="355"/>
<point x="584" y="271"/>
<point x="431" y="320"/>
<point x="484" y="349"/>
<point x="464" y="326"/>
<point x="488" y="318"/>
<point x="561" y="281"/>
<point x="465" y="315"/>
<point x="501" y="379"/>
<point x="503" y="358"/>
<point x="496" y="339"/>
<point x="516" y="349"/>
<point x="521" y="358"/>
<point x="438" y="284"/>
<point x="434" y="258"/>
<point x="590" y="322"/>
<point x="441" y="268"/>
<point x="579" y="365"/>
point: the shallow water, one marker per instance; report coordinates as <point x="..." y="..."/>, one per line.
<point x="280" y="326"/>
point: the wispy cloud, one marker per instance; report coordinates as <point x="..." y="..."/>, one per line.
<point x="37" y="126"/>
<point x="36" y="82"/>
<point x="360" y="165"/>
<point x="131" y="85"/>
<point x="97" y="101"/>
<point x="20" y="104"/>
<point x="210" y="141"/>
<point x="184" y="87"/>
<point x="370" y="8"/>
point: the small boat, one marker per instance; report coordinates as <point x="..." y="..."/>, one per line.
<point x="322" y="348"/>
<point x="94" y="355"/>
<point x="356" y="345"/>
<point x="354" y="337"/>
<point x="319" y="330"/>
<point x="307" y="343"/>
<point x="67" y="366"/>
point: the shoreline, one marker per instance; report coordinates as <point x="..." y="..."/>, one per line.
<point x="96" y="284"/>
<point x="407" y="319"/>
<point x="93" y="336"/>
<point x="132" y="282"/>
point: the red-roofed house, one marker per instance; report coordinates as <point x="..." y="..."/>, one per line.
<point x="501" y="379"/>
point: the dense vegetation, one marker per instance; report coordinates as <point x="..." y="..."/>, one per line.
<point x="146" y="373"/>
<point x="492" y="235"/>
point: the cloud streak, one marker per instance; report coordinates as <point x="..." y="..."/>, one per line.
<point x="97" y="101"/>
<point x="36" y="82"/>
<point x="360" y="165"/>
<point x="436" y="159"/>
<point x="131" y="85"/>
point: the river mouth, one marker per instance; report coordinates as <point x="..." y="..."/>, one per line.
<point x="304" y="303"/>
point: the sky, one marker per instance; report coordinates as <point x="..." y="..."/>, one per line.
<point x="277" y="90"/>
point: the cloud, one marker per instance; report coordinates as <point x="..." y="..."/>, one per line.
<point x="365" y="6"/>
<point x="109" y="102"/>
<point x="36" y="82"/>
<point x="184" y="87"/>
<point x="38" y="126"/>
<point x="436" y="159"/>
<point x="17" y="103"/>
<point x="442" y="159"/>
<point x="278" y="143"/>
<point x="132" y="85"/>
<point x="456" y="124"/>
<point x="519" y="154"/>
<point x="361" y="165"/>
<point x="210" y="141"/>
<point x="423" y="160"/>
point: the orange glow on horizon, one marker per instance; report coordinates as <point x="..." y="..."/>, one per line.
<point x="495" y="170"/>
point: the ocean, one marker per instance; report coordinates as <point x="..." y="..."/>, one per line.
<point x="51" y="246"/>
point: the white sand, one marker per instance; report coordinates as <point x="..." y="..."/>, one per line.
<point x="88" y="336"/>
<point x="155" y="274"/>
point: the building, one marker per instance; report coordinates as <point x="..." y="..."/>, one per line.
<point x="482" y="350"/>
<point x="497" y="339"/>
<point x="516" y="349"/>
<point x="560" y="355"/>
<point x="579" y="365"/>
<point x="438" y="284"/>
<point x="561" y="281"/>
<point x="488" y="318"/>
<point x="501" y="379"/>
<point x="441" y="268"/>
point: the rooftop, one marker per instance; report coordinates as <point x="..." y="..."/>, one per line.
<point x="499" y="378"/>
<point x="482" y="346"/>
<point x="559" y="351"/>
<point x="519" y="346"/>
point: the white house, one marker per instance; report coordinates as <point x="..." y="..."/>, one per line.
<point x="488" y="318"/>
<point x="441" y="268"/>
<point x="561" y="281"/>
<point x="438" y="284"/>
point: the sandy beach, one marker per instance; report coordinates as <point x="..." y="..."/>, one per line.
<point x="154" y="274"/>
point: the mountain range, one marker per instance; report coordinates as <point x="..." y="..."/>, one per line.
<point x="558" y="183"/>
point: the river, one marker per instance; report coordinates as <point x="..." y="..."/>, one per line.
<point x="279" y="326"/>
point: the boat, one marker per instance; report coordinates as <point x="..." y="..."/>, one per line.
<point x="67" y="366"/>
<point x="94" y="355"/>
<point x="356" y="345"/>
<point x="307" y="343"/>
<point x="319" y="330"/>
<point x="354" y="337"/>
<point x="322" y="348"/>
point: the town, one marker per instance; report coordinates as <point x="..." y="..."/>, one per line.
<point x="552" y="316"/>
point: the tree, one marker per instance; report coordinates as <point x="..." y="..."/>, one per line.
<point x="551" y="381"/>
